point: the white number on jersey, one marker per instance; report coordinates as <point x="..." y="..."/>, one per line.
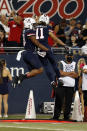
<point x="41" y="36"/>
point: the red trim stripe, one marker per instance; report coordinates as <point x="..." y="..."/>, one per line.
<point x="37" y="121"/>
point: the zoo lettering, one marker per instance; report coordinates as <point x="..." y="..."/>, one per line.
<point x="57" y="7"/>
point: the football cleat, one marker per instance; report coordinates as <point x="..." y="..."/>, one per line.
<point x="21" y="78"/>
<point x="15" y="81"/>
<point x="18" y="79"/>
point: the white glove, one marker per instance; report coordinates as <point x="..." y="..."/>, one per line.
<point x="19" y="55"/>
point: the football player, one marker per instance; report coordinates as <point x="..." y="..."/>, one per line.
<point x="29" y="55"/>
<point x="43" y="30"/>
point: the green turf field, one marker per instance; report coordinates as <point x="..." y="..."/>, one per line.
<point x="22" y="116"/>
<point x="28" y="126"/>
<point x="43" y="127"/>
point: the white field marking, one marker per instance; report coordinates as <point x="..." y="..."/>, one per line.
<point x="56" y="123"/>
<point x="49" y="123"/>
<point x="18" y="122"/>
<point x="4" y="126"/>
<point x="31" y="128"/>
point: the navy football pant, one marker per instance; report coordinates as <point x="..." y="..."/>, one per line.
<point x="51" y="59"/>
<point x="47" y="68"/>
<point x="32" y="60"/>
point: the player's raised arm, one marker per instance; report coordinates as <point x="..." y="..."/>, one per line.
<point x="56" y="39"/>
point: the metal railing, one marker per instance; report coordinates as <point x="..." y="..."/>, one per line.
<point x="56" y="50"/>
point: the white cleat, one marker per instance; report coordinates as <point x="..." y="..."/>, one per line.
<point x="5" y="116"/>
<point x="0" y="116"/>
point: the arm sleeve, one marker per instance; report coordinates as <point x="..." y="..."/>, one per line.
<point x="50" y="29"/>
<point x="31" y="33"/>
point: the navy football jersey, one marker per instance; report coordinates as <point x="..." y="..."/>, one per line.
<point x="42" y="33"/>
<point x="28" y="44"/>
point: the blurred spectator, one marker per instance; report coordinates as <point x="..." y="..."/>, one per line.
<point x="84" y="33"/>
<point x="68" y="31"/>
<point x="2" y="41"/>
<point x="80" y="65"/>
<point x="59" y="30"/>
<point x="3" y="25"/>
<point x="79" y="25"/>
<point x="16" y="28"/>
<point x="78" y="33"/>
<point x="84" y="51"/>
<point x="73" y="41"/>
<point x="51" y="42"/>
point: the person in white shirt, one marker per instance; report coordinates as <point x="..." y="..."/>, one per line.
<point x="64" y="94"/>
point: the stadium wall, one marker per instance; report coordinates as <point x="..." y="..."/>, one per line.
<point x="40" y="85"/>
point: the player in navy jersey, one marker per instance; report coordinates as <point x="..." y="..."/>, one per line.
<point x="43" y="30"/>
<point x="29" y="55"/>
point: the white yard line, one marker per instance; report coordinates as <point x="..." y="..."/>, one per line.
<point x="36" y="128"/>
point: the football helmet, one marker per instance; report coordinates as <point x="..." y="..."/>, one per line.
<point x="44" y="18"/>
<point x="28" y="23"/>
